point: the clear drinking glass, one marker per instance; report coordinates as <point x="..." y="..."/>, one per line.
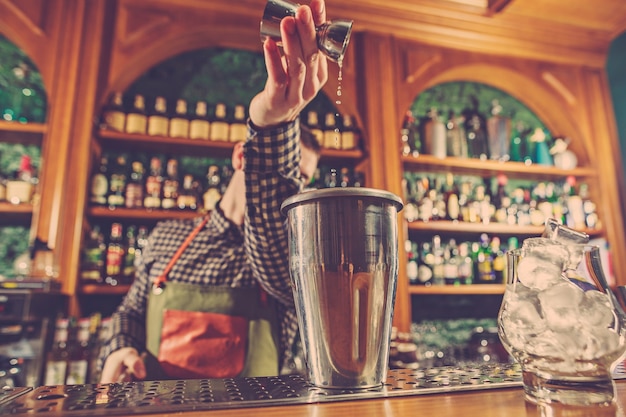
<point x="560" y="320"/>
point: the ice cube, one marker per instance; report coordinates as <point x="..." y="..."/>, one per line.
<point x="538" y="273"/>
<point x="560" y="306"/>
<point x="595" y="310"/>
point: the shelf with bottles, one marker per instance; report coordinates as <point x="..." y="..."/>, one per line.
<point x="11" y="214"/>
<point x="26" y="133"/>
<point x="476" y="289"/>
<point x="456" y="227"/>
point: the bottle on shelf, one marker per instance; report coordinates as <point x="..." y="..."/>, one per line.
<point x="212" y="194"/>
<point x="238" y="128"/>
<point x="466" y="264"/>
<point x="484" y="262"/>
<point x="412" y="266"/>
<point x="435" y="139"/>
<point x="541" y="149"/>
<point x="128" y="267"/>
<point x="154" y="184"/>
<point x="133" y="197"/>
<point x="438" y="252"/>
<point x="456" y="139"/>
<point x="199" y="125"/>
<point x="158" y="120"/>
<point x="136" y="119"/>
<point x="498" y="133"/>
<point x="331" y="179"/>
<point x="93" y="257"/>
<point x="451" y="263"/>
<point x="19" y="190"/>
<point x="95" y="323"/>
<point x="56" y="358"/>
<point x="219" y="123"/>
<point x="117" y="182"/>
<point x="345" y="178"/>
<point x="476" y="131"/>
<point x="332" y="136"/>
<point x="142" y="240"/>
<point x="312" y="122"/>
<point x="113" y="114"/>
<point x="171" y="185"/>
<point x="451" y="198"/>
<point x="426" y="264"/>
<point x="350" y="135"/>
<point x="79" y="354"/>
<point x="179" y="123"/>
<point x="410" y="137"/>
<point x="114" y="256"/>
<point x="188" y="198"/>
<point x="499" y="260"/>
<point x="100" y="184"/>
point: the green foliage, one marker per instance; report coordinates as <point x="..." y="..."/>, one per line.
<point x="11" y="153"/>
<point x="13" y="242"/>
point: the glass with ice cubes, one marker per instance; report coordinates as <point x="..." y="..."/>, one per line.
<point x="560" y="320"/>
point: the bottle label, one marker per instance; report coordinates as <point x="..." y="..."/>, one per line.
<point x="55" y="372"/>
<point x="99" y="188"/>
<point x="332" y="139"/>
<point x="168" y="203"/>
<point x="134" y="196"/>
<point x="19" y="192"/>
<point x="77" y="372"/>
<point x="157" y="126"/>
<point x="199" y="129"/>
<point x="219" y="131"/>
<point x="347" y="140"/>
<point x="136" y="123"/>
<point x="114" y="120"/>
<point x="187" y="202"/>
<point x="152" y="202"/>
<point x="238" y="132"/>
<point x="153" y="186"/>
<point x="116" y="200"/>
<point x="179" y="128"/>
<point x="114" y="261"/>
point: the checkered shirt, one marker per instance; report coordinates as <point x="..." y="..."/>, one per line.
<point x="224" y="253"/>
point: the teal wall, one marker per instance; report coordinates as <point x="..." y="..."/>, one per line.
<point x="616" y="70"/>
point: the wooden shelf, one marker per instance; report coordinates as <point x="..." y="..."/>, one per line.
<point x="476" y="228"/>
<point x="196" y="147"/>
<point x="95" y="289"/>
<point x="23" y="133"/>
<point x="10" y="214"/>
<point x="142" y="214"/>
<point x="474" y="289"/>
<point x="487" y="168"/>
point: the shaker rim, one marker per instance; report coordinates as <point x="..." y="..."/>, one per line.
<point x="363" y="192"/>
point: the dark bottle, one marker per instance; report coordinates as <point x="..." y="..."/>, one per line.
<point x="484" y="261"/>
<point x="56" y="358"/>
<point x="213" y="191"/>
<point x="476" y="131"/>
<point x="171" y="185"/>
<point x="93" y="257"/>
<point x="179" y="123"/>
<point x="136" y="119"/>
<point x="498" y="133"/>
<point x="499" y="260"/>
<point x="438" y="252"/>
<point x="113" y="114"/>
<point x="412" y="266"/>
<point x="100" y="184"/>
<point x="79" y="354"/>
<point x="118" y="176"/>
<point x="466" y="264"/>
<point x="451" y="263"/>
<point x="238" y="129"/>
<point x="154" y="184"/>
<point x="114" y="256"/>
<point x="219" y="123"/>
<point x="158" y="121"/>
<point x="188" y="198"/>
<point x="135" y="186"/>
<point x="345" y="178"/>
<point x="456" y="139"/>
<point x="426" y="264"/>
<point x="128" y="268"/>
<point x="199" y="126"/>
<point x="331" y="179"/>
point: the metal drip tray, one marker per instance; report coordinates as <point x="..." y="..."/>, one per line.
<point x="209" y="394"/>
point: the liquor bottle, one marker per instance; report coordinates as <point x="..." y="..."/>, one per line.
<point x="188" y="198"/>
<point x="350" y="135"/>
<point x="179" y="123"/>
<point x="117" y="182"/>
<point x="498" y="133"/>
<point x="199" y="126"/>
<point x="466" y="264"/>
<point x="78" y="354"/>
<point x="345" y="179"/>
<point x="435" y="135"/>
<point x="410" y="136"/>
<point x="212" y="193"/>
<point x="154" y="184"/>
<point x="238" y="130"/>
<point x="575" y="209"/>
<point x="158" y="121"/>
<point x="113" y="114"/>
<point x="359" y="179"/>
<point x="142" y="240"/>
<point x="476" y="131"/>
<point x="499" y="260"/>
<point x="100" y="183"/>
<point x="426" y="263"/>
<point x="412" y="266"/>
<point x="518" y="142"/>
<point x="128" y="267"/>
<point x="136" y="119"/>
<point x="93" y="257"/>
<point x="451" y="197"/>
<point x="456" y="140"/>
<point x="331" y="179"/>
<point x="484" y="262"/>
<point x="438" y="252"/>
<point x="170" y="185"/>
<point x="133" y="197"/>
<point x="56" y="359"/>
<point x="95" y="321"/>
<point x="114" y="255"/>
<point x="541" y="150"/>
<point x="451" y="263"/>
<point x="589" y="207"/>
<point x="312" y="122"/>
<point x="20" y="188"/>
<point x="332" y="136"/>
<point x="501" y="201"/>
<point x="219" y="124"/>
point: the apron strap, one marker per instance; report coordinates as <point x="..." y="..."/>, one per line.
<point x="158" y="283"/>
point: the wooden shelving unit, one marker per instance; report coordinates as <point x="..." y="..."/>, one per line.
<point x="474" y="289"/>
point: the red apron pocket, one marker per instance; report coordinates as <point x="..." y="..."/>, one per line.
<point x="202" y="345"/>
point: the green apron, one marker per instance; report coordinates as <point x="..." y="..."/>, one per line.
<point x="207" y="331"/>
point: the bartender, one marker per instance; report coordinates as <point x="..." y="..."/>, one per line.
<point x="212" y="296"/>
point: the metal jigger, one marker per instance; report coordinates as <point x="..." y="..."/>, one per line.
<point x="332" y="36"/>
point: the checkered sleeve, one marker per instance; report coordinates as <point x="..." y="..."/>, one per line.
<point x="272" y="167"/>
<point x="128" y="321"/>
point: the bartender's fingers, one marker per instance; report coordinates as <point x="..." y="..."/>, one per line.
<point x="294" y="55"/>
<point x="115" y="365"/>
<point x="317" y="65"/>
<point x="135" y="368"/>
